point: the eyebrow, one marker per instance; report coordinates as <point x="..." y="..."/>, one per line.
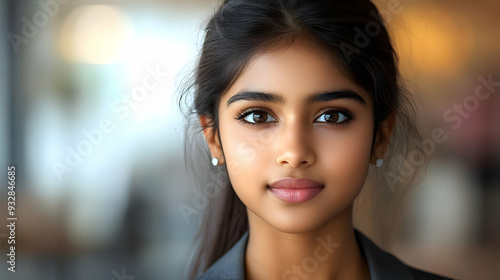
<point x="310" y="99"/>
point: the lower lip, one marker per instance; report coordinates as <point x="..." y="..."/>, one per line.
<point x="295" y="195"/>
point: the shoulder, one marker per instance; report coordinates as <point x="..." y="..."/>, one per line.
<point x="231" y="266"/>
<point x="420" y="274"/>
<point x="384" y="265"/>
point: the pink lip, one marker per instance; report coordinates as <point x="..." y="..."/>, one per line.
<point x="295" y="190"/>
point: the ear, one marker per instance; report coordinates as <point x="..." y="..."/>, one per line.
<point x="382" y="138"/>
<point x="211" y="136"/>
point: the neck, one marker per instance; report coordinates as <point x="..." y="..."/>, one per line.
<point x="329" y="252"/>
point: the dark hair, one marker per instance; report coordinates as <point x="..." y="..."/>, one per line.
<point x="352" y="32"/>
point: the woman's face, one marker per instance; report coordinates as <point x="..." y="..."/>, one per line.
<point x="292" y="113"/>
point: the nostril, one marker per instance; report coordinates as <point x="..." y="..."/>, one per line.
<point x="292" y="164"/>
<point x="295" y="155"/>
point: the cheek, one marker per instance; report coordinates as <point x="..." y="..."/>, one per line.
<point x="246" y="152"/>
<point x="346" y="157"/>
<point x="347" y="150"/>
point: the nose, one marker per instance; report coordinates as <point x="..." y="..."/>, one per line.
<point x="295" y="146"/>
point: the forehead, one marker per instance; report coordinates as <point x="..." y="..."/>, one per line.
<point x="297" y="70"/>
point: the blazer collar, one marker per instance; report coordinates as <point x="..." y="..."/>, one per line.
<point x="382" y="265"/>
<point x="231" y="266"/>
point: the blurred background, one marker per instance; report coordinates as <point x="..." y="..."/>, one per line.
<point x="89" y="120"/>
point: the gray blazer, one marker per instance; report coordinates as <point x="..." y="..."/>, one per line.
<point x="382" y="265"/>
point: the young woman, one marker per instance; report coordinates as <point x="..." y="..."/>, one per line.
<point x="297" y="101"/>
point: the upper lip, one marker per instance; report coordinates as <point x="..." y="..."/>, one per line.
<point x="295" y="183"/>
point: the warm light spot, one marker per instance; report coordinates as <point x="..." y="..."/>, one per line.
<point x="95" y="34"/>
<point x="434" y="42"/>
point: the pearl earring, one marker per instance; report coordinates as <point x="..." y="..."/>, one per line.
<point x="215" y="161"/>
<point x="380" y="162"/>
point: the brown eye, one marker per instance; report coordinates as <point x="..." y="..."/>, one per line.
<point x="259" y="117"/>
<point x="332" y="117"/>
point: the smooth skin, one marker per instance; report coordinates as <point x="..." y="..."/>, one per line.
<point x="294" y="138"/>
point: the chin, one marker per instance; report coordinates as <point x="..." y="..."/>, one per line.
<point x="294" y="223"/>
<point x="295" y="229"/>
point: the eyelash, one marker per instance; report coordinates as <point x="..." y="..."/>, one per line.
<point x="350" y="116"/>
